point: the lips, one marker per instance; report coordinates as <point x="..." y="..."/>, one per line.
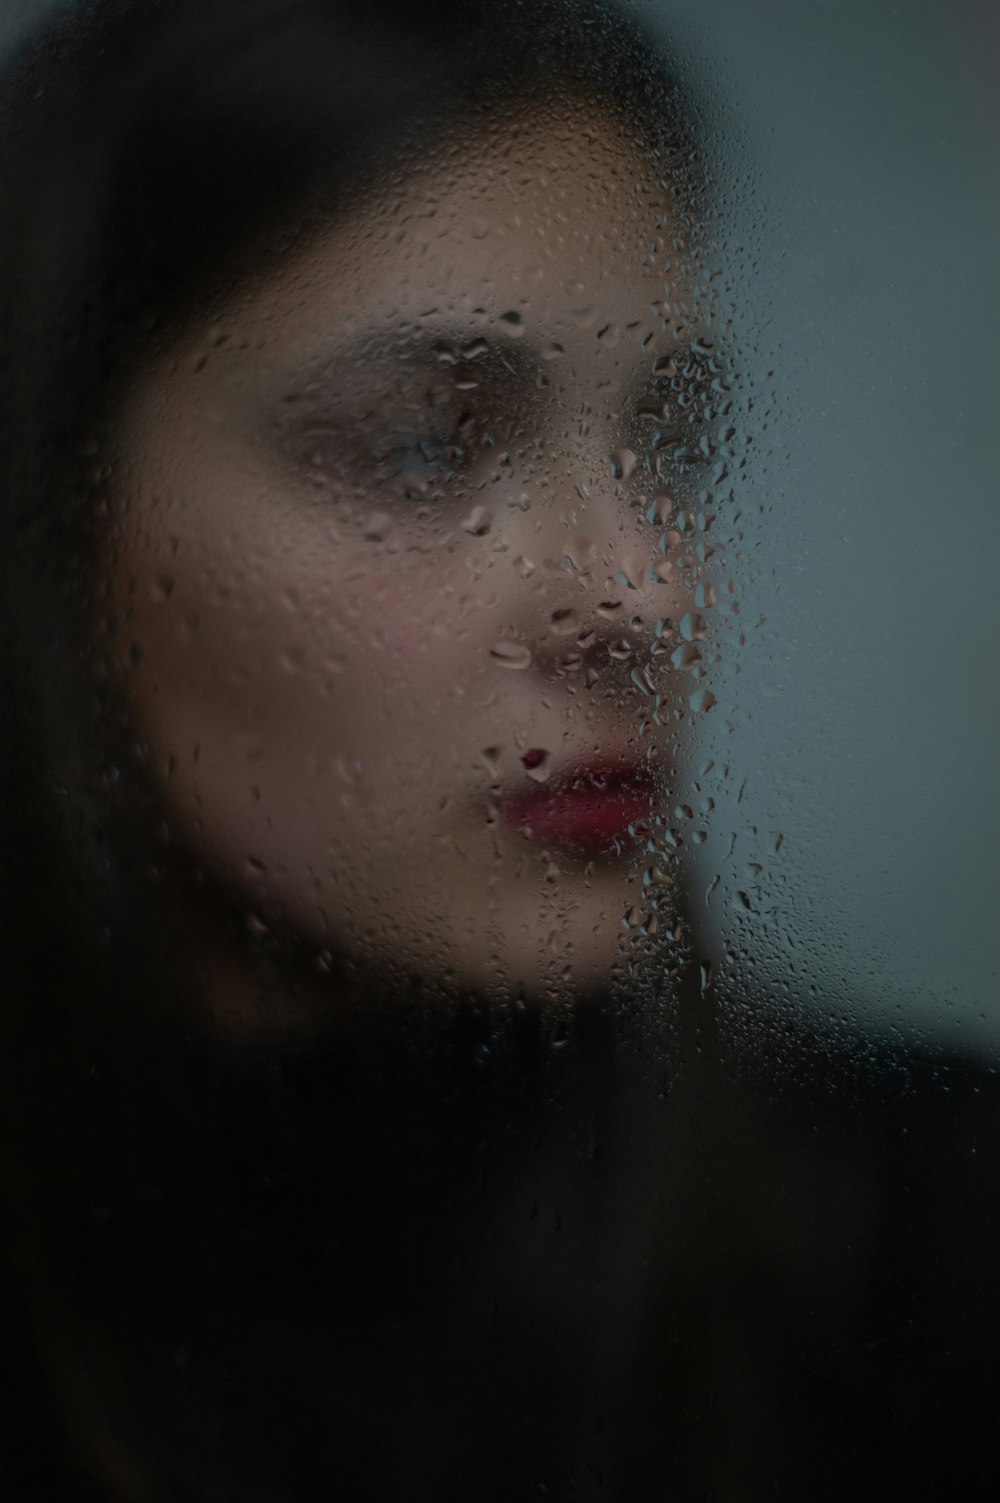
<point x="594" y="810"/>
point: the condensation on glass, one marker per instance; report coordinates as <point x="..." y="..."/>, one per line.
<point x="501" y="1002"/>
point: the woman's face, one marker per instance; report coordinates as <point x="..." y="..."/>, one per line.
<point x="394" y="592"/>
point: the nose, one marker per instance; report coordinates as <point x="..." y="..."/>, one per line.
<point x="588" y="567"/>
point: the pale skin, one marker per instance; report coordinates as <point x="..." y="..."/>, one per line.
<point x="352" y="501"/>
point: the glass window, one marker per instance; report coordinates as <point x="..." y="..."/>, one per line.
<point x="496" y="800"/>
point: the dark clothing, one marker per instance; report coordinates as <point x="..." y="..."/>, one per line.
<point x="481" y="1263"/>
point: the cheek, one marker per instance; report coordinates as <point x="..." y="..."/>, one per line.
<point x="291" y="689"/>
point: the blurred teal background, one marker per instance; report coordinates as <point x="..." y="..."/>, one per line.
<point x="858" y="215"/>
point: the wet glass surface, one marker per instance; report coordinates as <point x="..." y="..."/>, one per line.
<point x="496" y="808"/>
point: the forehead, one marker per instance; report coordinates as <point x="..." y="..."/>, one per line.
<point x="555" y="225"/>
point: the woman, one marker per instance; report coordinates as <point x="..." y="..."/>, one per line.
<point x="325" y="295"/>
<point x="372" y="1136"/>
<point x="341" y="394"/>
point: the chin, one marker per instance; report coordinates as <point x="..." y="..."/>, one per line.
<point x="553" y="938"/>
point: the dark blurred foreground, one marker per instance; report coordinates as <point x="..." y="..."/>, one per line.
<point x="491" y="1269"/>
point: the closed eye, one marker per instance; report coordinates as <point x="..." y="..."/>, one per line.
<point x="421" y="460"/>
<point x="362" y="453"/>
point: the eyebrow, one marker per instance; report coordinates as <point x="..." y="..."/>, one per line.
<point x="466" y="343"/>
<point x="471" y="344"/>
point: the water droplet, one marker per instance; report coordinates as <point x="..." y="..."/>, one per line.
<point x="685" y="656"/>
<point x="508" y="654"/>
<point x="581" y="554"/>
<point x="693" y="627"/>
<point x="660" y="510"/>
<point x="378" y="527"/>
<point x="702" y="700"/>
<point x="512" y="324"/>
<point x="623" y="464"/>
<point x="537" y="763"/>
<point x="478" y="522"/>
<point x="632" y="570"/>
<point x="563" y="622"/>
<point x="491" y="760"/>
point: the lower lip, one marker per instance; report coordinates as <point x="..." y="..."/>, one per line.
<point x="592" y="812"/>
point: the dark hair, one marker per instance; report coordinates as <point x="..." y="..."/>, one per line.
<point x="150" y="146"/>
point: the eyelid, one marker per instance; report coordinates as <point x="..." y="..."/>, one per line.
<point x="414" y="443"/>
<point x="370" y="451"/>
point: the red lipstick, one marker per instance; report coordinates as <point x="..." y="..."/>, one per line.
<point x="593" y="810"/>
